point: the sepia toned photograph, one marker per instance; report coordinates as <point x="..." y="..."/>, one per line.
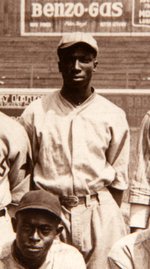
<point x="75" y="134"/>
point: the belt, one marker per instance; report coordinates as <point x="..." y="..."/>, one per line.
<point x="2" y="212"/>
<point x="73" y="201"/>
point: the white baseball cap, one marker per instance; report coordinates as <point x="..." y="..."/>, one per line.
<point x="71" y="39"/>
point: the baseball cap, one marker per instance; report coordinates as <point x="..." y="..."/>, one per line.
<point x="71" y="39"/>
<point x="40" y="199"/>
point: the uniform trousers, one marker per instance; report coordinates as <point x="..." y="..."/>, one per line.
<point x="93" y="227"/>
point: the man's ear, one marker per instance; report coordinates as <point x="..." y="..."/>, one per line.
<point x="59" y="229"/>
<point x="95" y="65"/>
<point x="14" y="224"/>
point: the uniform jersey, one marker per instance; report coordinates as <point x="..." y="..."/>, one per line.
<point x="140" y="187"/>
<point x="131" y="252"/>
<point x="15" y="154"/>
<point x="78" y="150"/>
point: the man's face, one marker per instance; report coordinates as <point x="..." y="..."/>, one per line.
<point x="77" y="65"/>
<point x="35" y="232"/>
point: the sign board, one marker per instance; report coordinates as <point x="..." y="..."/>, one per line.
<point x="134" y="102"/>
<point x="101" y="18"/>
<point x="141" y="13"/>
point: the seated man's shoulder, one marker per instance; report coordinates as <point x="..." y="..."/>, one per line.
<point x="67" y="255"/>
<point x="66" y="249"/>
<point x="132" y="240"/>
<point x="5" y="250"/>
<point x="5" y="254"/>
<point x="120" y="246"/>
<point x="131" y="249"/>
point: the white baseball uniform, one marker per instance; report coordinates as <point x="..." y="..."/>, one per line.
<point x="15" y="168"/>
<point x="79" y="151"/>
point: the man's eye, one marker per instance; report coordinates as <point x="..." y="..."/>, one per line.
<point x="46" y="230"/>
<point x="84" y="60"/>
<point x="26" y="228"/>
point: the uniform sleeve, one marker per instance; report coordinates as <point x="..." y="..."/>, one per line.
<point x="140" y="187"/>
<point x="5" y="195"/>
<point x="27" y="121"/>
<point x="118" y="152"/>
<point x="20" y="167"/>
<point x="119" y="256"/>
<point x="15" y="163"/>
<point x="139" y="215"/>
<point x="112" y="264"/>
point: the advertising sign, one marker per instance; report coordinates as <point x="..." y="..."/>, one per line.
<point x="141" y="13"/>
<point x="101" y="18"/>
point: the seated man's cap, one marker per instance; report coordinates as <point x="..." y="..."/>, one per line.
<point x="40" y="199"/>
<point x="71" y="39"/>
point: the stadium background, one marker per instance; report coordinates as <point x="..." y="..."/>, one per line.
<point x="28" y="69"/>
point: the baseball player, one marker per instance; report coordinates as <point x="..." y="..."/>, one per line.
<point x="15" y="168"/>
<point x="37" y="223"/>
<point x="140" y="187"/>
<point x="80" y="144"/>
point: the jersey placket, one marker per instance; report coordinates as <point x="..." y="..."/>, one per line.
<point x="77" y="182"/>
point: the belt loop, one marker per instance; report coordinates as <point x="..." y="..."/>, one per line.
<point x="99" y="197"/>
<point x="87" y="200"/>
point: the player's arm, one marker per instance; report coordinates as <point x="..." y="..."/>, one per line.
<point x="120" y="255"/>
<point x="20" y="163"/>
<point x="118" y="157"/>
<point x="139" y="217"/>
<point x="14" y="169"/>
<point x="5" y="195"/>
<point x="27" y="121"/>
<point x="140" y="187"/>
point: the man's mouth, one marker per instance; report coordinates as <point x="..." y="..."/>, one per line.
<point x="77" y="77"/>
<point x="33" y="248"/>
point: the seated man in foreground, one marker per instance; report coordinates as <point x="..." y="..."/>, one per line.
<point x="131" y="252"/>
<point x="37" y="224"/>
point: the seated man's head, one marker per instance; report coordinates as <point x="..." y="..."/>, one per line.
<point x="36" y="224"/>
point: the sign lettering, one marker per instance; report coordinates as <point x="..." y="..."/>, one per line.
<point x="100" y="17"/>
<point x="142" y="13"/>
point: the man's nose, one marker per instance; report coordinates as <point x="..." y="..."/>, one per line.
<point x="77" y="64"/>
<point x="35" y="235"/>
